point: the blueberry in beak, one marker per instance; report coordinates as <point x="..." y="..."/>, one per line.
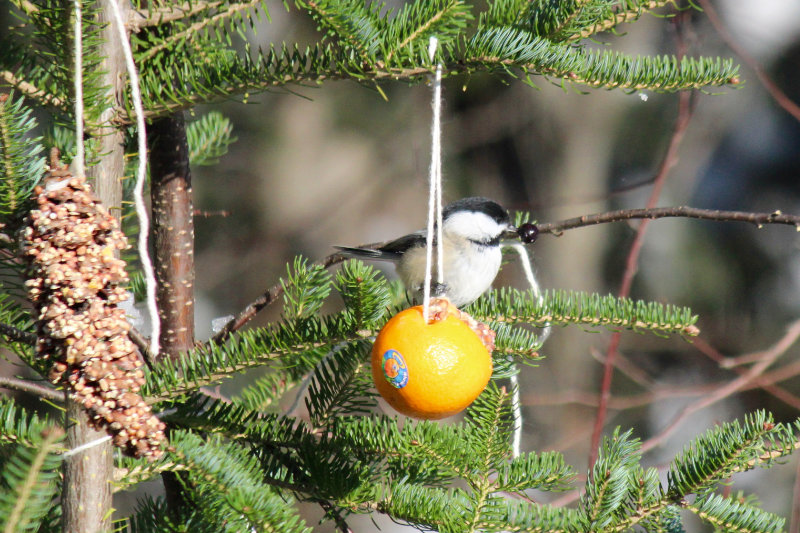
<point x="528" y="232"/>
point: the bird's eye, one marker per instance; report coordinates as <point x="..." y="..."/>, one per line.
<point x="528" y="233"/>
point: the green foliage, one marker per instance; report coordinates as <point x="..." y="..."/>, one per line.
<point x="29" y="482"/>
<point x="226" y="489"/>
<point x="729" y="448"/>
<point x="241" y="459"/>
<point x="209" y="138"/>
<point x="17" y="426"/>
<point x="592" y="310"/>
<point x="21" y="159"/>
<point x="726" y="514"/>
<point x="577" y="19"/>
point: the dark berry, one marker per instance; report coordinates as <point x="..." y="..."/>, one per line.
<point x="528" y="233"/>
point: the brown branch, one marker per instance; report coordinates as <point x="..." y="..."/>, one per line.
<point x="17" y="335"/>
<point x="23" y="385"/>
<point x="772" y="88"/>
<point x="794" y="524"/>
<point x="778" y="349"/>
<point x="757" y="219"/>
<point x="631" y="266"/>
<point x="30" y="90"/>
<point x="265" y="299"/>
<point x="766" y="382"/>
<point x="554" y="228"/>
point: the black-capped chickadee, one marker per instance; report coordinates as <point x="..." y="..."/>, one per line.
<point x="472" y="230"/>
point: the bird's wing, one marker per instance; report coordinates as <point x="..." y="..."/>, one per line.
<point x="391" y="251"/>
<point x="369" y="254"/>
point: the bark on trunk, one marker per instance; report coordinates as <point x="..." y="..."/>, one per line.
<point x="86" y="498"/>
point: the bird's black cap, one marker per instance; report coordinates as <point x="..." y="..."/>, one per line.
<point x="478" y="204"/>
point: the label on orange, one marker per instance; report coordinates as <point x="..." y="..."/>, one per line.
<point x="395" y="369"/>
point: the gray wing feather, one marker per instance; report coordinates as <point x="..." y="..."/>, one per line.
<point x="391" y="251"/>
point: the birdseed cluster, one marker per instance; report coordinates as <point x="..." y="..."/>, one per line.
<point x="75" y="282"/>
<point x="440" y="308"/>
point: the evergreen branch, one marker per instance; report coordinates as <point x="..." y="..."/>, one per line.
<point x="31" y="479"/>
<point x="24" y="385"/>
<point x="727" y="514"/>
<point x="341" y="384"/>
<point x="568" y="307"/>
<point x="31" y="91"/>
<point x="209" y="138"/>
<point x="618" y="17"/>
<point x="265" y="392"/>
<point x="410" y="30"/>
<point x="505" y="49"/>
<point x="141" y="19"/>
<point x="178" y="37"/>
<point x="137" y="471"/>
<point x="227" y="478"/>
<point x="21" y="163"/>
<point x="17" y="426"/>
<point x="726" y="449"/>
<point x="352" y="22"/>
<point x="17" y="335"/>
<point x="757" y="219"/>
<point x="610" y="481"/>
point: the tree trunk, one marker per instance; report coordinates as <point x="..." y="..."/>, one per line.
<point x="86" y="498"/>
<point x="173" y="241"/>
<point x="173" y="232"/>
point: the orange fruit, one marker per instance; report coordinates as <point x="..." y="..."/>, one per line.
<point x="432" y="370"/>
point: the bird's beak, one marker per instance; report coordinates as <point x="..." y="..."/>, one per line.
<point x="510" y="232"/>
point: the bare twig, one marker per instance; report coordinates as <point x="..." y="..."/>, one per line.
<point x="777" y="94"/>
<point x="143" y="343"/>
<point x="766" y="381"/>
<point x="17" y="335"/>
<point x="778" y="349"/>
<point x="264" y="300"/>
<point x="794" y="524"/>
<point x="554" y="228"/>
<point x="631" y="265"/>
<point x="757" y="219"/>
<point x="24" y="385"/>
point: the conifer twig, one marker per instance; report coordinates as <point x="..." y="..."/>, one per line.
<point x="17" y="335"/>
<point x="138" y="20"/>
<point x="30" y="90"/>
<point x="24" y="385"/>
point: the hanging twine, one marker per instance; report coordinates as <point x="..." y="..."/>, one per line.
<point x="434" y="188"/>
<point x="141" y="173"/>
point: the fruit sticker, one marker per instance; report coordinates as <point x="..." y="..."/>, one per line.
<point x="394" y="369"/>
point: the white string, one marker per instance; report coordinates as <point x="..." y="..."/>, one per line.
<point x="86" y="446"/>
<point x="434" y="187"/>
<point x="141" y="174"/>
<point x="79" y="161"/>
<point x="516" y="406"/>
